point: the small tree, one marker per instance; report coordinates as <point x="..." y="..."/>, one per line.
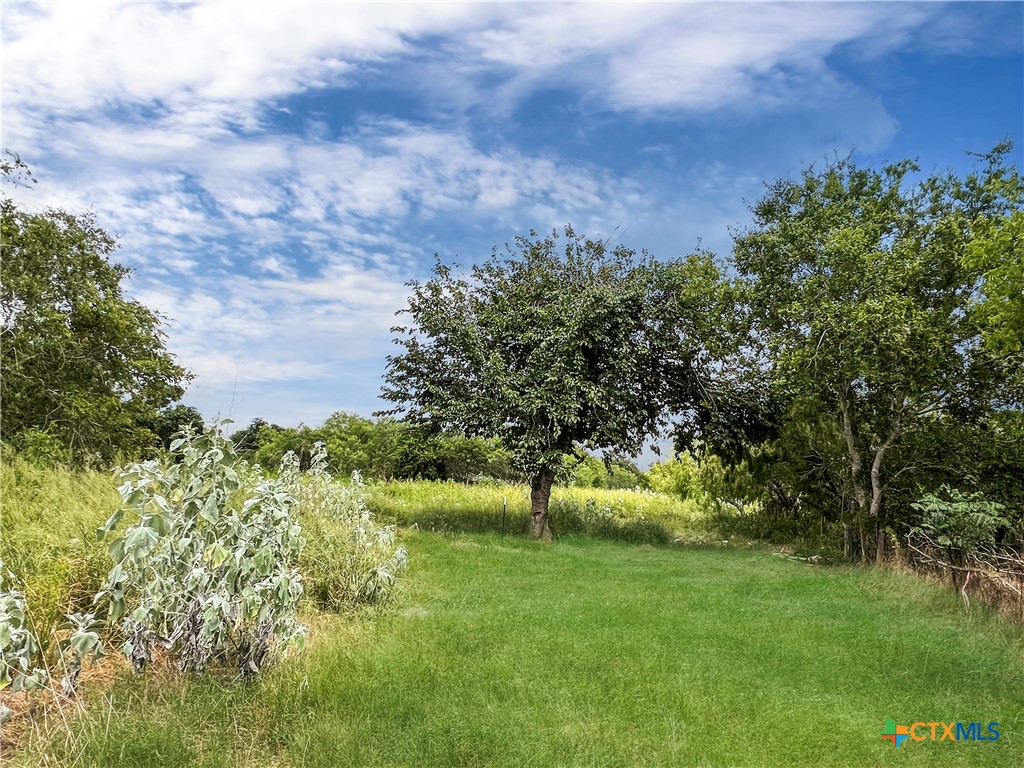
<point x="552" y="347"/>
<point x="170" y="421"/>
<point x="960" y="523"/>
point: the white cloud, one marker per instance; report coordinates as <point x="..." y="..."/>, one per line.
<point x="281" y="256"/>
<point x="274" y="328"/>
<point x="179" y="58"/>
<point x="260" y="290"/>
<point x="693" y="57"/>
<point x="204" y="67"/>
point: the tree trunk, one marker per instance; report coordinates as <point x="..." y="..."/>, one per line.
<point x="877" y="489"/>
<point x="876" y="480"/>
<point x="856" y="471"/>
<point x="540" y="495"/>
<point x="853" y="453"/>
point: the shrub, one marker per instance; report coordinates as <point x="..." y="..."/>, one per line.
<point x="19" y="649"/>
<point x="348" y="560"/>
<point x="206" y="569"/>
<point x="608" y="520"/>
<point x="678" y="476"/>
<point x="960" y="522"/>
<point x="39" y="447"/>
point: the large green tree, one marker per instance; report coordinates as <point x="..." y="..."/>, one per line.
<point x="558" y="343"/>
<point x="80" y="360"/>
<point x="860" y="284"/>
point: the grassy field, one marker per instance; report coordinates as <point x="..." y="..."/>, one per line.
<point x="503" y="652"/>
<point x="637" y="516"/>
<point x="48" y="522"/>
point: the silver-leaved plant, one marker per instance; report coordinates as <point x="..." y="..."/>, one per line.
<point x="206" y="566"/>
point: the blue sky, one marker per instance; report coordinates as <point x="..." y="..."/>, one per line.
<point x="276" y="172"/>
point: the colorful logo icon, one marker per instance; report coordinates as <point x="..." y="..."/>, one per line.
<point x="940" y="731"/>
<point x="897" y="734"/>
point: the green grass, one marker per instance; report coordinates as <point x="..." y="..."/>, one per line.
<point x="48" y="522"/>
<point x="504" y="652"/>
<point x="640" y="517"/>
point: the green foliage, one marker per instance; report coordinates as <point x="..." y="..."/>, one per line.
<point x="679" y="476"/>
<point x="273" y="443"/>
<point x="613" y="519"/>
<point x="39" y="447"/>
<point x="986" y="456"/>
<point x="348" y="559"/>
<point x="82" y="641"/>
<point x="855" y="280"/>
<point x="251" y="438"/>
<point x="453" y="457"/>
<point x="616" y="474"/>
<point x="174" y="419"/>
<point x="81" y="362"/>
<point x="48" y="537"/>
<point x="960" y="521"/>
<point x="19" y="649"/>
<point x="547" y="349"/>
<point x="996" y="250"/>
<point x="704" y="479"/>
<point x="373" y="448"/>
<point x="207" y="565"/>
<point x="553" y="346"/>
<point x="380" y="449"/>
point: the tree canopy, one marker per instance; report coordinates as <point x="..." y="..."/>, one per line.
<point x="81" y="361"/>
<point x="996" y="251"/>
<point x="864" y="285"/>
<point x="556" y="344"/>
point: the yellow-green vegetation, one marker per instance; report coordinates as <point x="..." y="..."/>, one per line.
<point x="348" y="560"/>
<point x="502" y="651"/>
<point x="505" y="652"/>
<point x="48" y="522"/>
<point x="639" y="516"/>
<point x="51" y="517"/>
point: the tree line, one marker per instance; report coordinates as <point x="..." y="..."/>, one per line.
<point x="388" y="449"/>
<point x="860" y="347"/>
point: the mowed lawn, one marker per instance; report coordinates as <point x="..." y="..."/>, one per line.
<point x="505" y="652"/>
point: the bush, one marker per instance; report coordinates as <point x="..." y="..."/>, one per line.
<point x="348" y="559"/>
<point x="805" y="533"/>
<point x="39" y="447"/>
<point x="960" y="522"/>
<point x="612" y="521"/>
<point x="19" y="649"/>
<point x="207" y="567"/>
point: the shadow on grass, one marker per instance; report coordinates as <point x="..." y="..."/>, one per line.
<point x="568" y="518"/>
